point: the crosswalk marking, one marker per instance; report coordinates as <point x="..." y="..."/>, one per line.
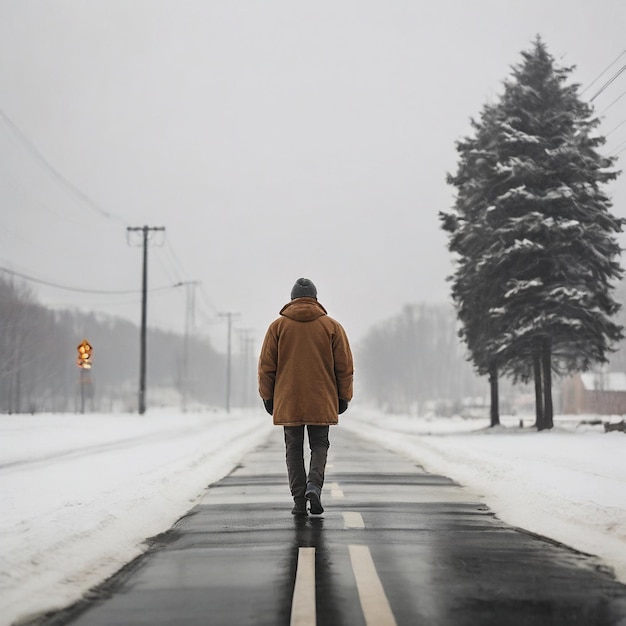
<point x="352" y="519"/>
<point x="374" y="603"/>
<point x="303" y="601"/>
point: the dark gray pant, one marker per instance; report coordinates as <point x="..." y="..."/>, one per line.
<point x="294" y="447"/>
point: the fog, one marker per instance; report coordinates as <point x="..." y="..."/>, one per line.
<point x="272" y="140"/>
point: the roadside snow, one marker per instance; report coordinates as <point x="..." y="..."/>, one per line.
<point x="567" y="484"/>
<point x="80" y="493"/>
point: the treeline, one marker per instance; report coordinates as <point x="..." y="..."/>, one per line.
<point x="415" y="362"/>
<point x="38" y="372"/>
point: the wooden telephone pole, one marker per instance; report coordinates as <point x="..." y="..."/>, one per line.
<point x="144" y="313"/>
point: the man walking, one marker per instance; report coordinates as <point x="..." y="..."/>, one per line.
<point x="305" y="379"/>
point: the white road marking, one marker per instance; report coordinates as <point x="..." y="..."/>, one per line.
<point x="352" y="519"/>
<point x="303" y="601"/>
<point x="335" y="491"/>
<point x="374" y="603"/>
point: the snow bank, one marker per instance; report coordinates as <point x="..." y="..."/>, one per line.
<point x="80" y="493"/>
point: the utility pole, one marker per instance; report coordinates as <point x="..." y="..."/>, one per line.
<point x="144" y="313"/>
<point x="189" y="326"/>
<point x="229" y="316"/>
<point x="249" y="370"/>
<point x="246" y="343"/>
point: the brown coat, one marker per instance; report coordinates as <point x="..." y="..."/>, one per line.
<point x="305" y="365"/>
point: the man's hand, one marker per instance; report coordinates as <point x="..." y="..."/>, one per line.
<point x="269" y="406"/>
<point x="343" y="405"/>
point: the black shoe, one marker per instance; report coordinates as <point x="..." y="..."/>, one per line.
<point x="299" y="508"/>
<point x="312" y="494"/>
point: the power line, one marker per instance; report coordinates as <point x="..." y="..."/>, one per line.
<point x="179" y="269"/>
<point x="616" y="127"/>
<point x="604" y="71"/>
<point x="71" y="187"/>
<point x="609" y="82"/>
<point x="621" y="145"/>
<point x="174" y="258"/>
<point x="48" y="283"/>
<point x="24" y="189"/>
<point x="169" y="268"/>
<point x="30" y="147"/>
<point x="612" y="103"/>
<point x="207" y="302"/>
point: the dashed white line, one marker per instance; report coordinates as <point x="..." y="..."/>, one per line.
<point x="352" y="519"/>
<point x="303" y="601"/>
<point x="335" y="491"/>
<point x="374" y="603"/>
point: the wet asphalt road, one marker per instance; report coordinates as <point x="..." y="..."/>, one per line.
<point x="394" y="546"/>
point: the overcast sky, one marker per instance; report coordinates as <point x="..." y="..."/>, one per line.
<point x="272" y="139"/>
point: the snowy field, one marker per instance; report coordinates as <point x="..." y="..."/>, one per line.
<point x="81" y="493"/>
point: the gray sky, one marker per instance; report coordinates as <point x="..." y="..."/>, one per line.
<point x="273" y="139"/>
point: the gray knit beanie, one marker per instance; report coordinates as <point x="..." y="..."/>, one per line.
<point x="304" y="288"/>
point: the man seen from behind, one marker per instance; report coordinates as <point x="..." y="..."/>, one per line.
<point x="305" y="379"/>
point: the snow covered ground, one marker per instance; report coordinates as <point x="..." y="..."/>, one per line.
<point x="81" y="493"/>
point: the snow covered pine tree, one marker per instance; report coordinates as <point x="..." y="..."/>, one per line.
<point x="536" y="242"/>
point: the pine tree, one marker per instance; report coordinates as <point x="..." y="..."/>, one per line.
<point x="529" y="187"/>
<point x="469" y="235"/>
